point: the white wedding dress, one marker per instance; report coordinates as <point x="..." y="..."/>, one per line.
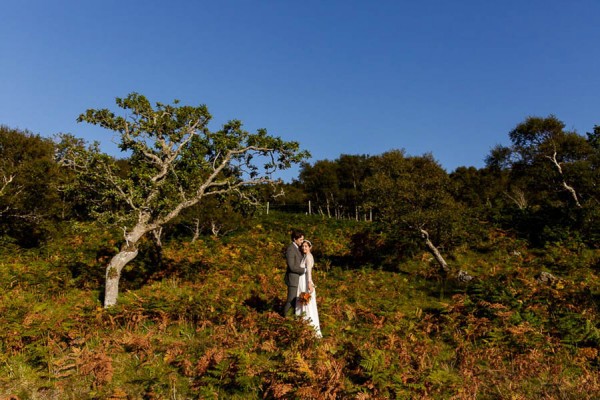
<point x="309" y="311"/>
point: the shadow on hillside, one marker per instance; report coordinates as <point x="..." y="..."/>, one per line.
<point x="351" y="263"/>
<point x="148" y="267"/>
<point x="86" y="276"/>
<point x="345" y="262"/>
<point x="261" y="304"/>
<point x="441" y="287"/>
<point x="151" y="270"/>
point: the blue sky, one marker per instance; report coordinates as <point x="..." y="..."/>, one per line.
<point x="341" y="77"/>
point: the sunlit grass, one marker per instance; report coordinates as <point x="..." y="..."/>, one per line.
<point x="206" y="324"/>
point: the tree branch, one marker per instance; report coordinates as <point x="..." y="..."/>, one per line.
<point x="165" y="164"/>
<point x="6" y="182"/>
<point x="434" y="250"/>
<point x="570" y="189"/>
<point x="126" y="197"/>
<point x="519" y="198"/>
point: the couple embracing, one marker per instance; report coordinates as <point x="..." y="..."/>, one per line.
<point x="301" y="294"/>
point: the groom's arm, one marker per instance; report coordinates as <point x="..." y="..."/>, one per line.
<point x="294" y="260"/>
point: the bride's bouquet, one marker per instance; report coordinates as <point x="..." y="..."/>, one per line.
<point x="304" y="298"/>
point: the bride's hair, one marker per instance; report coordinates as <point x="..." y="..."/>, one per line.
<point x="309" y="243"/>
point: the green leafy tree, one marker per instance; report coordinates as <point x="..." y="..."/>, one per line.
<point x="292" y="198"/>
<point x="412" y="197"/>
<point x="335" y="187"/>
<point x="216" y="215"/>
<point x="352" y="172"/>
<point x="542" y="149"/>
<point x="482" y="192"/>
<point x="593" y="137"/>
<point x="29" y="200"/>
<point x="321" y="182"/>
<point x="175" y="161"/>
<point x="86" y="196"/>
<point x="552" y="175"/>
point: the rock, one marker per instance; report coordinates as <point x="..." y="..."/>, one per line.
<point x="546" y="277"/>
<point x="463" y="276"/>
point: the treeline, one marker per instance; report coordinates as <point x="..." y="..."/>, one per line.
<point x="543" y="188"/>
<point x="40" y="193"/>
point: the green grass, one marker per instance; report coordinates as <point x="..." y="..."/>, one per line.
<point x="206" y="324"/>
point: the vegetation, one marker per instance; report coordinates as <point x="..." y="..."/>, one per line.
<point x="207" y="324"/>
<point x="30" y="202"/>
<point x="174" y="163"/>
<point x="202" y="288"/>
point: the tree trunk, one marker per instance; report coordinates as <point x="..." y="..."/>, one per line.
<point x="128" y="252"/>
<point x="568" y="187"/>
<point x="215" y="228"/>
<point x="434" y="250"/>
<point x="113" y="275"/>
<point x="196" y="230"/>
<point x="157" y="234"/>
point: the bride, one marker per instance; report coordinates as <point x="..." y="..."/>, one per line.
<point x="305" y="305"/>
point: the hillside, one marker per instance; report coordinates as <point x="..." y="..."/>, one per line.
<point x="202" y="321"/>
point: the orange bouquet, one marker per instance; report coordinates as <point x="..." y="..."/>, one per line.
<point x="304" y="298"/>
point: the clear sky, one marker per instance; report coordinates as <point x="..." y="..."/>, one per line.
<point x="339" y="76"/>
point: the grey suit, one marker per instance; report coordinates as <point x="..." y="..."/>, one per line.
<point x="293" y="258"/>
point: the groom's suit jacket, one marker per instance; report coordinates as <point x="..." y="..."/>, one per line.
<point x="293" y="258"/>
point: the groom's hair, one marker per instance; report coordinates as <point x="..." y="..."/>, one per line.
<point x="296" y="234"/>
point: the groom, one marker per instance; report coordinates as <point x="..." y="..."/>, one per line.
<point x="293" y="258"/>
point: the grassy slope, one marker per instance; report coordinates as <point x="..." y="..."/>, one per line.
<point x="206" y="325"/>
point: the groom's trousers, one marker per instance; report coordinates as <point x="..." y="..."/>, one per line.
<point x="290" y="302"/>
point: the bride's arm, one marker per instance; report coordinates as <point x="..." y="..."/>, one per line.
<point x="310" y="262"/>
